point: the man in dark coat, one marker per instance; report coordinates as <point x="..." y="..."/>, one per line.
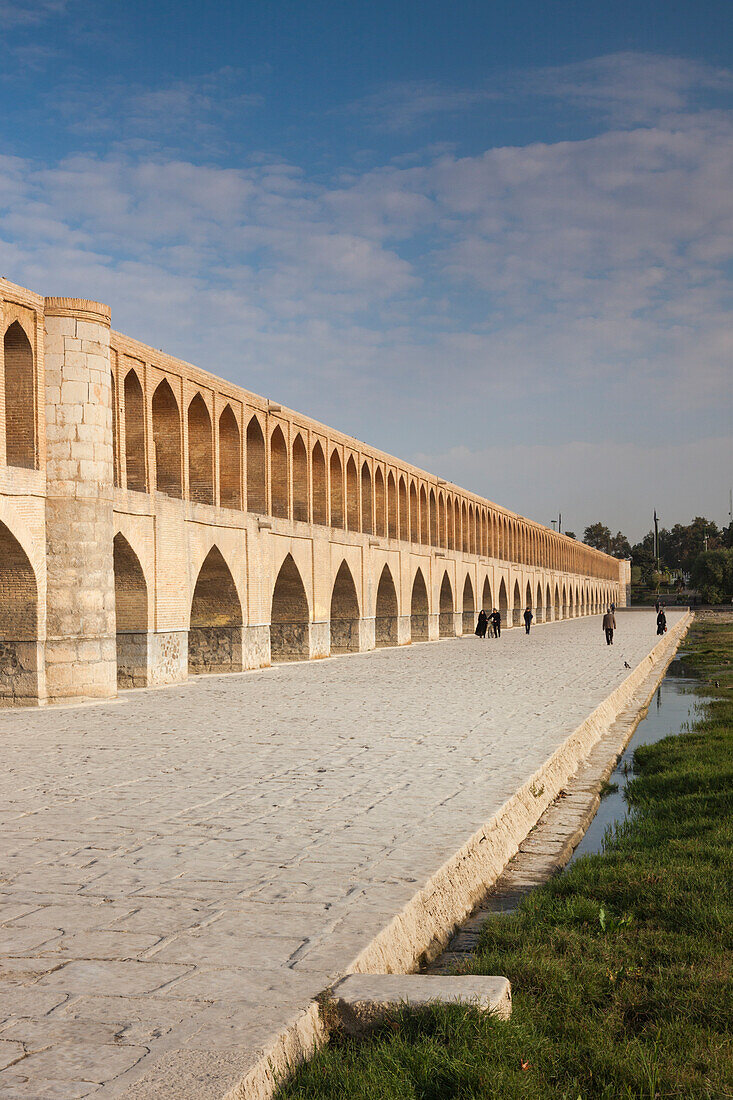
<point x="496" y="623"/>
<point x="609" y="625"/>
<point x="528" y="616"/>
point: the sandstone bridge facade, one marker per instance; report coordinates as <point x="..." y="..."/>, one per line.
<point x="158" y="522"/>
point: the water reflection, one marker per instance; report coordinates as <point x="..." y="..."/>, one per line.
<point x="674" y="708"/>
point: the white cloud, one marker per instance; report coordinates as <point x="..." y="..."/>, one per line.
<point x="547" y="292"/>
<point x="29" y="13"/>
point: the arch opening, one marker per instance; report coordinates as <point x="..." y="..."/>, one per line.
<point x="352" y="495"/>
<point x="134" y="434"/>
<point x="215" y="631"/>
<point x="486" y="603"/>
<point x="345" y="616"/>
<point x="419" y="609"/>
<point x="392" y="526"/>
<point x="337" y="491"/>
<point x="167" y="441"/>
<point x="424" y="518"/>
<point x="380" y="519"/>
<point x="539" y="609"/>
<point x="446" y="620"/>
<point x="200" y="453"/>
<point x="320" y="489"/>
<point x="279" y="488"/>
<point x="366" y="500"/>
<point x="516" y="605"/>
<point x="414" y="518"/>
<point x="300" y="480"/>
<point x="131" y="616"/>
<point x="469" y="607"/>
<point x="503" y="604"/>
<point x="20" y="415"/>
<point x="557" y="602"/>
<point x="290" y="617"/>
<point x="230" y="461"/>
<point x="385" y="627"/>
<point x="404" y="517"/>
<point x="256" y="468"/>
<point x="18" y="623"/>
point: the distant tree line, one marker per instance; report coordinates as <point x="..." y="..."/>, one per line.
<point x="699" y="549"/>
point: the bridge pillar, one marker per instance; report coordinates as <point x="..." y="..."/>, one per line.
<point x="404" y="629"/>
<point x="367" y="634"/>
<point x="319" y="640"/>
<point x="81" y="657"/>
<point x="433" y="626"/>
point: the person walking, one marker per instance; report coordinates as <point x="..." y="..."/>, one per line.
<point x="613" y="608"/>
<point x="528" y="616"/>
<point x="609" y="625"/>
<point x="482" y="624"/>
<point x="496" y="623"/>
<point x="661" y="622"/>
<point x="656" y="607"/>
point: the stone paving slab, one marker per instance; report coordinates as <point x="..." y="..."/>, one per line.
<point x="184" y="869"/>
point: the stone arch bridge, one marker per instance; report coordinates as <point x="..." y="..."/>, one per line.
<point x="158" y="522"/>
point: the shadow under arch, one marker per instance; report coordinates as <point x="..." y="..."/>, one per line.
<point x="131" y="616"/>
<point x="344" y="613"/>
<point x="419" y="609"/>
<point x="469" y="607"/>
<point x="18" y="624"/>
<point x="486" y="603"/>
<point x="290" y="617"/>
<point x="446" y="620"/>
<point x="20" y="420"/>
<point x="385" y="625"/>
<point x="215" y="633"/>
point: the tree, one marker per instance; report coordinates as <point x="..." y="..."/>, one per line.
<point x="620" y="546"/>
<point x="570" y="534"/>
<point x="685" y="542"/>
<point x="598" y="536"/>
<point x="712" y="575"/>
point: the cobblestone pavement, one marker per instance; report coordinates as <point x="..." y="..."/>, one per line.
<point x="184" y="868"/>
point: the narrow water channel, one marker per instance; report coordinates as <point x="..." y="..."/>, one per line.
<point x="675" y="705"/>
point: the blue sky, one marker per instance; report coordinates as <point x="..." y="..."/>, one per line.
<point x="493" y="238"/>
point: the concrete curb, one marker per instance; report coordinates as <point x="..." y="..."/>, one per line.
<point x="423" y="928"/>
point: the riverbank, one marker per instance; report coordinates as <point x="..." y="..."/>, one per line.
<point x="620" y="967"/>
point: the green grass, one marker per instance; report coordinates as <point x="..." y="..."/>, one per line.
<point x="620" y="967"/>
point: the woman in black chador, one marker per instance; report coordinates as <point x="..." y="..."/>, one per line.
<point x="482" y="624"/>
<point x="661" y="621"/>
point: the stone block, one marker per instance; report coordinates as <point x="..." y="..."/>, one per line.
<point x="362" y="1000"/>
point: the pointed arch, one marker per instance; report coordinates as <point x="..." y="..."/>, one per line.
<point x="404" y="514"/>
<point x="20" y="404"/>
<point x="200" y="452"/>
<point x="230" y="460"/>
<point x="469" y="606"/>
<point x="279" y="479"/>
<point x="289" y="617"/>
<point x="424" y="517"/>
<point x="380" y="518"/>
<point x="392" y="511"/>
<point x="352" y="495"/>
<point x="503" y="604"/>
<point x="528" y="596"/>
<point x="385" y="626"/>
<point x="167" y="440"/>
<point x="434" y="537"/>
<point x="419" y="609"/>
<point x="457" y="533"/>
<point x="215" y="631"/>
<point x="446" y="616"/>
<point x="442" y="532"/>
<point x="517" y="605"/>
<point x="135" y="458"/>
<point x="557" y="605"/>
<point x="18" y="622"/>
<point x="450" y="517"/>
<point x="465" y="535"/>
<point x="301" y="491"/>
<point x="367" y="508"/>
<point x="344" y="613"/>
<point x="414" y="518"/>
<point x="320" y="492"/>
<point x="115" y="434"/>
<point x="486" y="602"/>
<point x="548" y="603"/>
<point x="256" y="468"/>
<point x="131" y="616"/>
<point x="337" y="490"/>
<point x="539" y="608"/>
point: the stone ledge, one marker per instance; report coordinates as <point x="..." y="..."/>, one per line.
<point x="83" y="309"/>
<point x="361" y="1000"/>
